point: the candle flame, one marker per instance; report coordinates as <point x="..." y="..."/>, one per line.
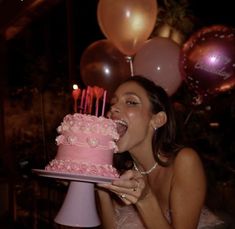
<point x="75" y="86"/>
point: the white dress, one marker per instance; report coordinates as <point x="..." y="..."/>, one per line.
<point x="127" y="218"/>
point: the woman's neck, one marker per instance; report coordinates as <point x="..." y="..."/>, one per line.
<point x="144" y="161"/>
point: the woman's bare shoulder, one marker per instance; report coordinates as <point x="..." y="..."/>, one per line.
<point x="188" y="160"/>
<point x="187" y="155"/>
<point x="188" y="172"/>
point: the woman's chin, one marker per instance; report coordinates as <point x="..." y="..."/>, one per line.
<point x="122" y="146"/>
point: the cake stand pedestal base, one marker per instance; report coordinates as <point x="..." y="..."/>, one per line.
<point x="79" y="206"/>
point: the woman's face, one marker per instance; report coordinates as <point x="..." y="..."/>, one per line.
<point x="131" y="108"/>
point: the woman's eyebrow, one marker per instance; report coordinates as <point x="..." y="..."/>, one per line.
<point x="131" y="93"/>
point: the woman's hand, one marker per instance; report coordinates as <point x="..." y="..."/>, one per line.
<point x="131" y="187"/>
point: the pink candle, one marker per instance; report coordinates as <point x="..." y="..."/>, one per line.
<point x="86" y="100"/>
<point x="90" y="103"/>
<point x="76" y="93"/>
<point x="98" y="92"/>
<point x="104" y="101"/>
<point x="96" y="107"/>
<point x="82" y="100"/>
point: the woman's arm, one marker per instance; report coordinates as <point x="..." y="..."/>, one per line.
<point x="188" y="189"/>
<point x="151" y="212"/>
<point x="106" y="209"/>
<point x="137" y="191"/>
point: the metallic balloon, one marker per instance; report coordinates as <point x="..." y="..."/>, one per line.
<point x="127" y="23"/>
<point x="103" y="65"/>
<point x="158" y="60"/>
<point x="207" y="61"/>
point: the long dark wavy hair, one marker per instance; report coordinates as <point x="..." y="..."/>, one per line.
<point x="164" y="138"/>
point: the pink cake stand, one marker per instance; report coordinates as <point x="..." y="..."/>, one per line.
<point x="79" y="206"/>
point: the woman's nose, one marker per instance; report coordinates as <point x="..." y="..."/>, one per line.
<point x="114" y="108"/>
<point x="113" y="111"/>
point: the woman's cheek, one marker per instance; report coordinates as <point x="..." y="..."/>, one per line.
<point x="131" y="114"/>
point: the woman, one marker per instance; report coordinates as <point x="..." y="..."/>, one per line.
<point x="162" y="184"/>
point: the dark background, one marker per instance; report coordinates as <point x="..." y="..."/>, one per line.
<point x="41" y="44"/>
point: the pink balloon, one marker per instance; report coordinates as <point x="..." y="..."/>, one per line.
<point x="103" y="65"/>
<point x="158" y="60"/>
<point x="127" y="23"/>
<point x="207" y="61"/>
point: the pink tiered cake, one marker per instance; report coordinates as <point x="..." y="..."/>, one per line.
<point x="86" y="145"/>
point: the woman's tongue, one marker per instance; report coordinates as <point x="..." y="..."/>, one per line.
<point x="121" y="129"/>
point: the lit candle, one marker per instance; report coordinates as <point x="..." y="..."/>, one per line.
<point x="104" y="101"/>
<point x="76" y="93"/>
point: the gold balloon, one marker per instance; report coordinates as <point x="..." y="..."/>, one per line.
<point x="127" y="23"/>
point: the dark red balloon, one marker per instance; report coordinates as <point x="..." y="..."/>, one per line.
<point x="207" y="61"/>
<point x="103" y="65"/>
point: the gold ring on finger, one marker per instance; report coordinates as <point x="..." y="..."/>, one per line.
<point x="123" y="196"/>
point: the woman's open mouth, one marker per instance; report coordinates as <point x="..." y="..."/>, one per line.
<point x="121" y="127"/>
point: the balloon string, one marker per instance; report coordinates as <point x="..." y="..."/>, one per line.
<point x="188" y="117"/>
<point x="129" y="59"/>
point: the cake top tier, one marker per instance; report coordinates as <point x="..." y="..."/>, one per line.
<point x="77" y="129"/>
<point x="88" y="124"/>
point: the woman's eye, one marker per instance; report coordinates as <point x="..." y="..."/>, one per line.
<point x="131" y="102"/>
